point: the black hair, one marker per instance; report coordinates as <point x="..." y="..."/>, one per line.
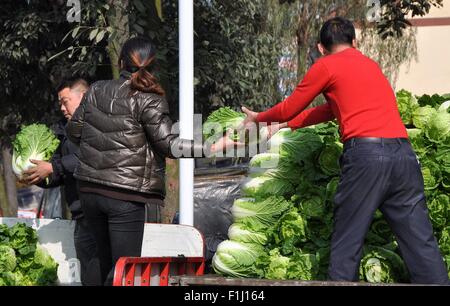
<point x="72" y="83"/>
<point x="138" y="56"/>
<point x="337" y="31"/>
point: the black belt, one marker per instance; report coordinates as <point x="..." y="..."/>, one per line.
<point x="352" y="142"/>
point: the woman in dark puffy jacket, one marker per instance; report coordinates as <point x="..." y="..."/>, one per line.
<point x="125" y="133"/>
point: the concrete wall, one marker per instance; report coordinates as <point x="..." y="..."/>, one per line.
<point x="430" y="73"/>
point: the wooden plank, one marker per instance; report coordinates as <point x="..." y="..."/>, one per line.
<point x="430" y="22"/>
<point x="216" y="280"/>
<point x="418" y="22"/>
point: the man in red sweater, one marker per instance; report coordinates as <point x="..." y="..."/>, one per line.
<point x="379" y="169"/>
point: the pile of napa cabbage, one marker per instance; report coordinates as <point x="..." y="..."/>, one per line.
<point x="23" y="262"/>
<point x="283" y="221"/>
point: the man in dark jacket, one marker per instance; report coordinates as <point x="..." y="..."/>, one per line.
<point x="60" y="171"/>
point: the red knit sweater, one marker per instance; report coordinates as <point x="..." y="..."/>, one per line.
<point x="357" y="93"/>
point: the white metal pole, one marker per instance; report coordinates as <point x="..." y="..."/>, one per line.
<point x="186" y="46"/>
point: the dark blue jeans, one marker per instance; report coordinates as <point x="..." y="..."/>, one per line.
<point x="86" y="249"/>
<point x="118" y="228"/>
<point x="383" y="176"/>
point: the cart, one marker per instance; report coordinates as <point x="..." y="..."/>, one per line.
<point x="167" y="251"/>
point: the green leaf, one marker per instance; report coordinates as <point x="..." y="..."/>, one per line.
<point x="407" y="104"/>
<point x="75" y="31"/>
<point x="113" y="35"/>
<point x="267" y="211"/>
<point x="142" y="22"/>
<point x="100" y="36"/>
<point x="139" y="6"/>
<point x="8" y="260"/>
<point x="138" y="29"/>
<point x="278" y="265"/>
<point x="93" y="34"/>
<point x="22" y="261"/>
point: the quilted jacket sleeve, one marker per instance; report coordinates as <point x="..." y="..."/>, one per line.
<point x="160" y="133"/>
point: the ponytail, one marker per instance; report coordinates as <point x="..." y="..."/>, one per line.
<point x="143" y="80"/>
<point x="137" y="57"/>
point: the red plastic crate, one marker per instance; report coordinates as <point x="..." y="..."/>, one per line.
<point x="141" y="271"/>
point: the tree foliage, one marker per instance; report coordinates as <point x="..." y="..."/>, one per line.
<point x="237" y="54"/>
<point x="249" y="52"/>
<point x="238" y="44"/>
<point x="26" y="41"/>
<point x="393" y="14"/>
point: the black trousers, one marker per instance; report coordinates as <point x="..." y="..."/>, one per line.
<point x="86" y="249"/>
<point x="383" y="176"/>
<point x="118" y="228"/>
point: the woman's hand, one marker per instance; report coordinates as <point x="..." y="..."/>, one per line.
<point x="224" y="143"/>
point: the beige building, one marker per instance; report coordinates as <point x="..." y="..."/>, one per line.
<point x="430" y="72"/>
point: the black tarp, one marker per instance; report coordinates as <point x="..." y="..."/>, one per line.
<point x="215" y="190"/>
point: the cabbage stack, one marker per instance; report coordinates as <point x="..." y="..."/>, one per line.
<point x="283" y="221"/>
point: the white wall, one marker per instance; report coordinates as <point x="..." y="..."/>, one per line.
<point x="430" y="73"/>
